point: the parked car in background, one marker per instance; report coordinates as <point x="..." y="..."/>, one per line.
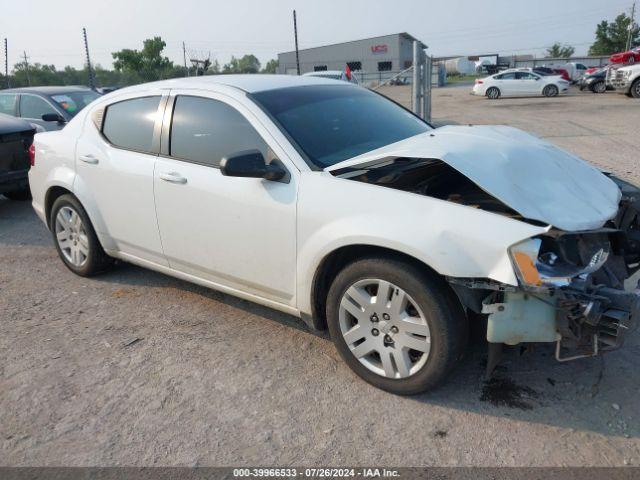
<point x="49" y="107"/>
<point x="625" y="80"/>
<point x="334" y="75"/>
<point x="630" y="56"/>
<point x="517" y="82"/>
<point x="575" y="70"/>
<point x="363" y="218"/>
<point x="16" y="137"/>
<point x="596" y="81"/>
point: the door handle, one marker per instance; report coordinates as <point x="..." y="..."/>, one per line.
<point x="173" y="177"/>
<point x="89" y="159"/>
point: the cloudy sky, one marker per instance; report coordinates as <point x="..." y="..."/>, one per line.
<point x="51" y="31"/>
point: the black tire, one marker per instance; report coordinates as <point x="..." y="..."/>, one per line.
<point x="493" y="93"/>
<point x="599" y="87"/>
<point x="635" y="89"/>
<point x="443" y="313"/>
<point x="550" y="91"/>
<point x="19" y="195"/>
<point x="96" y="261"/>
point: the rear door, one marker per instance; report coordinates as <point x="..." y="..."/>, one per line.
<point x="236" y="232"/>
<point x="115" y="159"/>
<point x="506" y="83"/>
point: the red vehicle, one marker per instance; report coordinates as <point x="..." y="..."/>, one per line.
<point x="562" y="72"/>
<point x="591" y="70"/>
<point x="632" y="56"/>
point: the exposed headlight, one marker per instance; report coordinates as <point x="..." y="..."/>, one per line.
<point x="552" y="264"/>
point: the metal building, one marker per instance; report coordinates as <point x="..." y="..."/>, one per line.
<point x="372" y="58"/>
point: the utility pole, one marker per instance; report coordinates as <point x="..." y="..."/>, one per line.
<point x="6" y="63"/>
<point x="184" y="56"/>
<point x="631" y="25"/>
<point x="26" y="67"/>
<point x="92" y="82"/>
<point x="295" y="33"/>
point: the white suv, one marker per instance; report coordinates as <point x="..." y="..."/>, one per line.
<point x="327" y="201"/>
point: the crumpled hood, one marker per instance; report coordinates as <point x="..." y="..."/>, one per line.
<point x="533" y="177"/>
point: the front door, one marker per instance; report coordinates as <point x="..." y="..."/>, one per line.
<point x="235" y="232"/>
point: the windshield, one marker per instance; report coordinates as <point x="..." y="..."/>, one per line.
<point x="334" y="123"/>
<point x="73" y="102"/>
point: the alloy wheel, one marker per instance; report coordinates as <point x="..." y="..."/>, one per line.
<point x="384" y="328"/>
<point x="71" y="236"/>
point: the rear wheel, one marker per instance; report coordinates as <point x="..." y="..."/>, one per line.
<point x="75" y="239"/>
<point x="20" y="195"/>
<point x="635" y="89"/>
<point x="550" y="91"/>
<point x="395" y="326"/>
<point x="493" y="93"/>
<point x="599" y="87"/>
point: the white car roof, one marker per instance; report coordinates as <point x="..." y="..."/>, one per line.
<point x="249" y="83"/>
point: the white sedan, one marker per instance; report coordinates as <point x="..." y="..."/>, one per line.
<point x="329" y="202"/>
<point x="519" y="83"/>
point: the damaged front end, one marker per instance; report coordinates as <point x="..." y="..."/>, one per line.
<point x="571" y="287"/>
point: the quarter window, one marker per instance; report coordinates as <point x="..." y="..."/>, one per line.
<point x="205" y="131"/>
<point x="129" y="124"/>
<point x="8" y="103"/>
<point x="34" y="107"/>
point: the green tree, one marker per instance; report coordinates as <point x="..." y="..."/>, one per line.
<point x="270" y="67"/>
<point x="145" y="65"/>
<point x="611" y="37"/>
<point x="246" y="64"/>
<point x="557" y="50"/>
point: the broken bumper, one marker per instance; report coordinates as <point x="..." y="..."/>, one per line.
<point x="582" y="321"/>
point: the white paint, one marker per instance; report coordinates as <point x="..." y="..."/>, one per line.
<point x="535" y="178"/>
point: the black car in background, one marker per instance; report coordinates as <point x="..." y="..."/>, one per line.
<point x="16" y="138"/>
<point x="596" y="81"/>
<point x="49" y="107"/>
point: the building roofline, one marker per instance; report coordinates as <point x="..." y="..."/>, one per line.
<point x="401" y="34"/>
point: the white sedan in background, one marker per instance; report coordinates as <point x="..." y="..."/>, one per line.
<point x="519" y="83"/>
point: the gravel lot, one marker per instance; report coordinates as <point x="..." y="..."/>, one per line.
<point x="137" y="368"/>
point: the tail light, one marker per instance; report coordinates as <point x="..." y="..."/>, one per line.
<point x="478" y="81"/>
<point x="32" y="154"/>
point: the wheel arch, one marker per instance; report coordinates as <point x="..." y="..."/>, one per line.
<point x="333" y="262"/>
<point x="53" y="193"/>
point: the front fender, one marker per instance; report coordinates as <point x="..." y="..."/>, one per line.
<point x="452" y="239"/>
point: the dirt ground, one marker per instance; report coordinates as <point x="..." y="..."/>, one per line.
<point x="137" y="368"/>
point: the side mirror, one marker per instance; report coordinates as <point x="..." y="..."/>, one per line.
<point x="251" y="164"/>
<point x="53" y="117"/>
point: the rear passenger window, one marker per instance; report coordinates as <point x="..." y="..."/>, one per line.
<point x="205" y="131"/>
<point x="8" y="103"/>
<point x="129" y="124"/>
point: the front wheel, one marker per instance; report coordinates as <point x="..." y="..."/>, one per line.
<point x="635" y="89"/>
<point x="550" y="91"/>
<point x="493" y="93"/>
<point x="75" y="239"/>
<point x="397" y="327"/>
<point x="599" y="87"/>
